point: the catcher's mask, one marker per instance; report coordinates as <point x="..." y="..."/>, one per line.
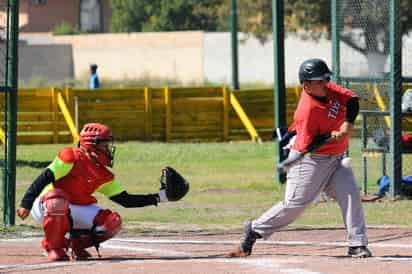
<point x="97" y="139"/>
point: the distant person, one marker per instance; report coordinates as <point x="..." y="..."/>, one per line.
<point x="94" y="82"/>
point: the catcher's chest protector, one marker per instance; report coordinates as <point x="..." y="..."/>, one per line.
<point x="83" y="180"/>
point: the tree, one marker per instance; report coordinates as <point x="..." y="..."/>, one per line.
<point x="311" y="20"/>
<point x="166" y="15"/>
<point x="186" y="15"/>
<point x="307" y="18"/>
<point x="132" y="15"/>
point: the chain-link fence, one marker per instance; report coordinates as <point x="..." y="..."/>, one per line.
<point x="363" y="62"/>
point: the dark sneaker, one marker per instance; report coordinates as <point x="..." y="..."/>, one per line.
<point x="359" y="252"/>
<point x="247" y="242"/>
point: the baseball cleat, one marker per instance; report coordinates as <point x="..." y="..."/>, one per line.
<point x="238" y="253"/>
<point x="247" y="242"/>
<point x="359" y="252"/>
<point x="80" y="254"/>
<point x="58" y="254"/>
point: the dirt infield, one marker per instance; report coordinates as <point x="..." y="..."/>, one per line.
<point x="294" y="251"/>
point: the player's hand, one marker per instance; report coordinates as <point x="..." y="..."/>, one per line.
<point x="284" y="168"/>
<point x="292" y="159"/>
<point x="344" y="130"/>
<point x="337" y="135"/>
<point x="23" y="212"/>
<point x="163" y="196"/>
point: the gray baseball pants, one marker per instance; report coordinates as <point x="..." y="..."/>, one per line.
<point x="305" y="180"/>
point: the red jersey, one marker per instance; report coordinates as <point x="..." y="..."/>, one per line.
<point x="80" y="176"/>
<point x="314" y="117"/>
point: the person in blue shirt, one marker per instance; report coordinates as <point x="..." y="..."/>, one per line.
<point x="94" y="82"/>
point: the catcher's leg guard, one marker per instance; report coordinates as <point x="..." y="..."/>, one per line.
<point x="56" y="224"/>
<point x="106" y="225"/>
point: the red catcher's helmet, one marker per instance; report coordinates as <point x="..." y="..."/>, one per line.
<point x="97" y="139"/>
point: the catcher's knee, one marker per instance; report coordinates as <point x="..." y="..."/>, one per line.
<point x="106" y="224"/>
<point x="56" y="203"/>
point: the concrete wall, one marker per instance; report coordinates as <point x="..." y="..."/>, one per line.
<point x="190" y="57"/>
<point x="51" y="62"/>
<point x="256" y="59"/>
<point x="175" y="55"/>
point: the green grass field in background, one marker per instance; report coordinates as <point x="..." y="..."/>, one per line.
<point x="230" y="183"/>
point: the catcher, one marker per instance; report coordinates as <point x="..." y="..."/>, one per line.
<point x="61" y="199"/>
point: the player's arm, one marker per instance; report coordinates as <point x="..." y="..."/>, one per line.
<point x="352" y="111"/>
<point x="135" y="200"/>
<point x="307" y="130"/>
<point x="34" y="190"/>
<point x="295" y="155"/>
<point x="59" y="168"/>
<point x="117" y="194"/>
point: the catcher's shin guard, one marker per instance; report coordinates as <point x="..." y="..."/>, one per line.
<point x="55" y="224"/>
<point x="247" y="242"/>
<point x="106" y="225"/>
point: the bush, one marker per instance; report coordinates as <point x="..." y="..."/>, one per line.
<point x="65" y="28"/>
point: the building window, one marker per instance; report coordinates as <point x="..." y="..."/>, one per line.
<point x="90" y="16"/>
<point x="39" y="2"/>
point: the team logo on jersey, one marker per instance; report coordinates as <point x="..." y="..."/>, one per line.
<point x="334" y="110"/>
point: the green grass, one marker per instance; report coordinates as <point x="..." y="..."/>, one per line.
<point x="230" y="182"/>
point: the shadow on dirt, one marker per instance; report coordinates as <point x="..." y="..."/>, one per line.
<point x="389" y="237"/>
<point x="25" y="163"/>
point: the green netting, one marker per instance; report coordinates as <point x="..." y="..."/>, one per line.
<point x="364" y="66"/>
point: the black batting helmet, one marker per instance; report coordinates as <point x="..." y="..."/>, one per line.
<point x="314" y="69"/>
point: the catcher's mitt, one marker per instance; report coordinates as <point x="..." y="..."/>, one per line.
<point x="174" y="184"/>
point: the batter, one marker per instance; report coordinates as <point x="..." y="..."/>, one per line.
<point x="324" y="107"/>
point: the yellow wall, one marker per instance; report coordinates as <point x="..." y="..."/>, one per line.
<point x="160" y="114"/>
<point x="148" y="114"/>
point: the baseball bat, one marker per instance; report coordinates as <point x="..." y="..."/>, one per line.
<point x="317" y="142"/>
